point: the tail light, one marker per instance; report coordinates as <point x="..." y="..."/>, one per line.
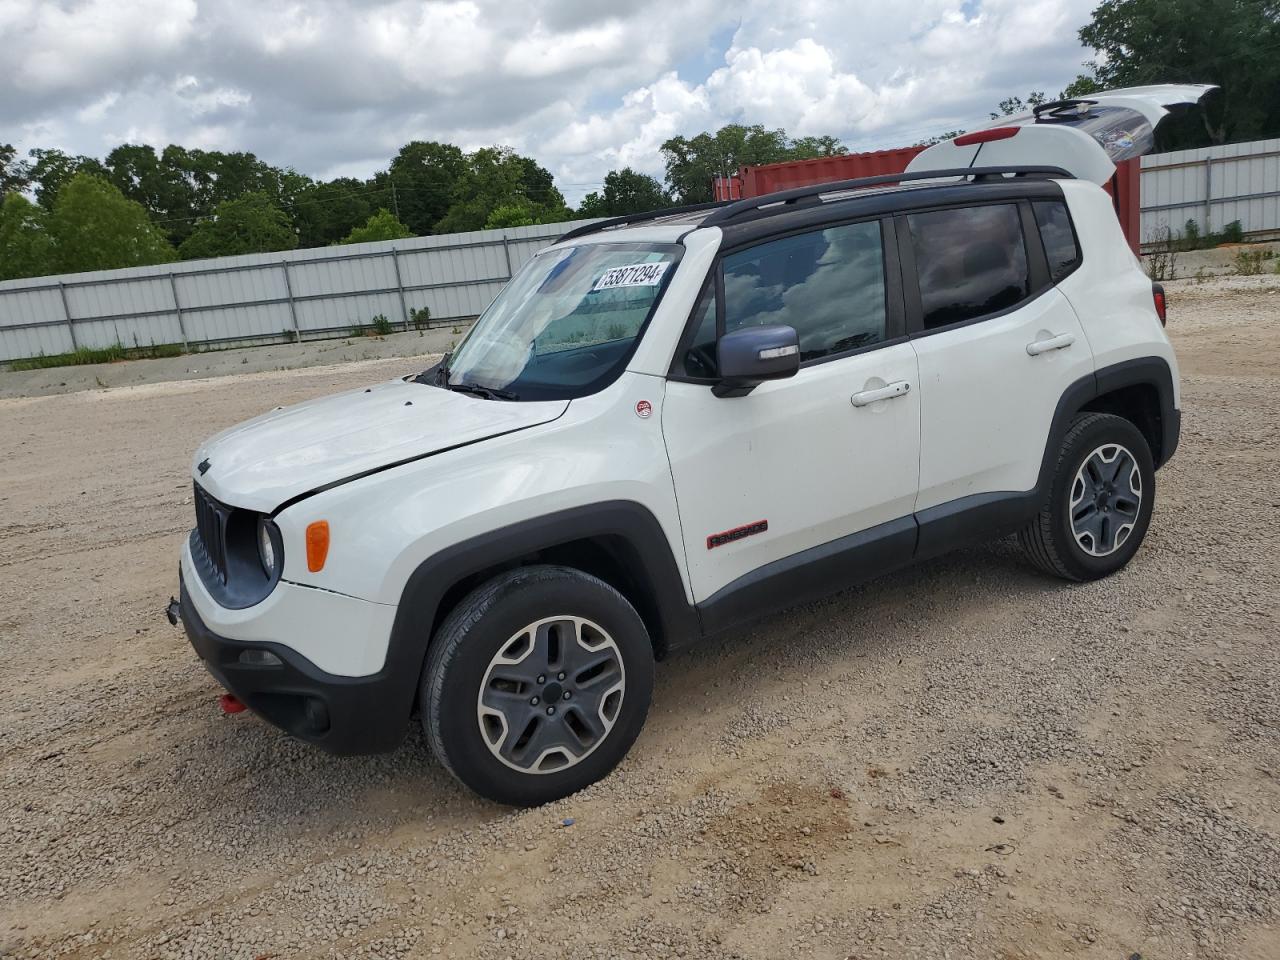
<point x="1157" y="294"/>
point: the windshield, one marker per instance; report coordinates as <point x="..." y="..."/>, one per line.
<point x="566" y="324"/>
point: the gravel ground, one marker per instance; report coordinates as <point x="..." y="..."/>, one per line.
<point x="961" y="760"/>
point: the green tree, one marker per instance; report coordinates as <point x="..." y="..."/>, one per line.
<point x="249" y="224"/>
<point x="1015" y="105"/>
<point x="52" y="169"/>
<point x="1083" y="85"/>
<point x="26" y="248"/>
<point x="498" y="177"/>
<point x="327" y="212"/>
<point x="1232" y="43"/>
<point x="95" y="227"/>
<point x="625" y="191"/>
<point x="521" y="213"/>
<point x="420" y="184"/>
<point x="381" y="226"/>
<point x="692" y="163"/>
<point x="806" y="148"/>
<point x="15" y="174"/>
<point x="949" y="135"/>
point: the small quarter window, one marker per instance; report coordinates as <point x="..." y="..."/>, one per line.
<point x="827" y="284"/>
<point x="700" y="354"/>
<point x="971" y="262"/>
<point x="1059" y="239"/>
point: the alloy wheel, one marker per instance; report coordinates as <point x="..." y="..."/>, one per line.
<point x="551" y="694"/>
<point x="1106" y="497"/>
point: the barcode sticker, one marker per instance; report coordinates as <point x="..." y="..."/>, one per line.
<point x="635" y="275"/>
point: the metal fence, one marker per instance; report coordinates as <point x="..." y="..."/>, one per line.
<point x="1214" y="187"/>
<point x="298" y="295"/>
<point x="327" y="291"/>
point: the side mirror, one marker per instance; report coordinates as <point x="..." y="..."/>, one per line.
<point x="752" y="355"/>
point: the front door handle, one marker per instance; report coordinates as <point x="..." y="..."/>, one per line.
<point x="899" y="388"/>
<point x="1059" y="342"/>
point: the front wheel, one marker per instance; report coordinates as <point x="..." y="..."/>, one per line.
<point x="1099" y="503"/>
<point x="537" y="684"/>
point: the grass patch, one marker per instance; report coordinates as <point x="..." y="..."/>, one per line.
<point x="379" y="326"/>
<point x="110" y="354"/>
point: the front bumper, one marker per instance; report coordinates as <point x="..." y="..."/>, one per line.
<point x="343" y="715"/>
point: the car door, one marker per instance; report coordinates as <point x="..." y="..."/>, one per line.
<point x="998" y="345"/>
<point x="787" y="474"/>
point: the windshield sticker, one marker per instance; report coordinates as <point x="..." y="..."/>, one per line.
<point x="635" y="275"/>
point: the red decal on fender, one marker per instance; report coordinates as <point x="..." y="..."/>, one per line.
<point x="737" y="533"/>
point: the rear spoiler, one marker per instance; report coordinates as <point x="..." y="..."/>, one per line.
<point x="1086" y="135"/>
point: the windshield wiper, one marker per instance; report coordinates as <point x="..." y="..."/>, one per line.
<point x="489" y="393"/>
<point x="437" y="375"/>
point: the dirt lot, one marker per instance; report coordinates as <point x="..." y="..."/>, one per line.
<point x="965" y="759"/>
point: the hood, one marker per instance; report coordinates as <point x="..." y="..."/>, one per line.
<point x="290" y="451"/>
<point x="1087" y="136"/>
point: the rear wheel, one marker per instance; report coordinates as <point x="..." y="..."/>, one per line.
<point x="537" y="684"/>
<point x="1099" y="503"/>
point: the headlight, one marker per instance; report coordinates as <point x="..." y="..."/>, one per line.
<point x="267" y="546"/>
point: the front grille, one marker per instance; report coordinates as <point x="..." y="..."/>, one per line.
<point x="211" y="531"/>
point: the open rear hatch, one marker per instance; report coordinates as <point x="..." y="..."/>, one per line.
<point x="1086" y="136"/>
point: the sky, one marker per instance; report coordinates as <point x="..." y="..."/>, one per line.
<point x="335" y="87"/>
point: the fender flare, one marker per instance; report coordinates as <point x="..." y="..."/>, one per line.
<point x="1143" y="371"/>
<point x="647" y="556"/>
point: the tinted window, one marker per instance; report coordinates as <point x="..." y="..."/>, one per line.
<point x="971" y="262"/>
<point x="828" y="284"/>
<point x="1059" y="239"/>
<point x="700" y="354"/>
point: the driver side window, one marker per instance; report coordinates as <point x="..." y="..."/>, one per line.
<point x="827" y="284"/>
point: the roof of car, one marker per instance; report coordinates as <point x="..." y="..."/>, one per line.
<point x="867" y="196"/>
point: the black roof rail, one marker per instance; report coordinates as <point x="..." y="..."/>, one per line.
<point x="785" y="198"/>
<point x="640" y="218"/>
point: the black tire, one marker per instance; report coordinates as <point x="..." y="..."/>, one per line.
<point x="462" y="654"/>
<point x="1049" y="540"/>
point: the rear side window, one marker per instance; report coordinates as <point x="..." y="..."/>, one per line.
<point x="971" y="262"/>
<point x="827" y="284"/>
<point x="1059" y="239"/>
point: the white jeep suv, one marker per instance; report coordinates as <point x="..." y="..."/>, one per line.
<point x="664" y="427"/>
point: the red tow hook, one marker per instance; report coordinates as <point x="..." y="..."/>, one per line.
<point x="230" y="703"/>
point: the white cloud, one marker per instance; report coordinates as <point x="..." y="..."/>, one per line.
<point x="53" y="46"/>
<point x="335" y="86"/>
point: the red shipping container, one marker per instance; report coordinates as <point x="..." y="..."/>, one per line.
<point x="770" y="178"/>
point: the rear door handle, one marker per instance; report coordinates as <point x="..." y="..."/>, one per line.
<point x="1061" y="341"/>
<point x="899" y="388"/>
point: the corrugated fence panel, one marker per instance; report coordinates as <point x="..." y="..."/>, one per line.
<point x="329" y="277"/>
<point x="321" y="292"/>
<point x="149" y="295"/>
<point x="130" y="331"/>
<point x="422" y="268"/>
<point x="32" y="323"/>
<point x="1214" y="187"/>
<point x="34" y="341"/>
<point x="239" y="323"/>
<point x="209" y="289"/>
<point x="342" y="314"/>
<point x="22" y="307"/>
